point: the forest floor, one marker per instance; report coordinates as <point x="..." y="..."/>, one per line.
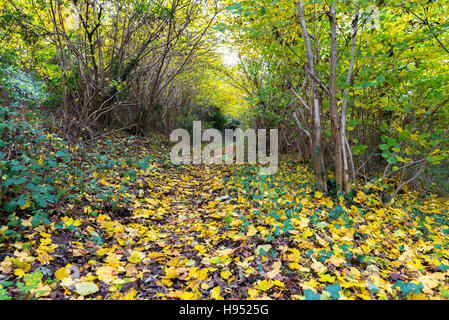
<point x="223" y="232"/>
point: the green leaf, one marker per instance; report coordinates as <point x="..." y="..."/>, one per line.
<point x="11" y="206"/>
<point x="334" y="290"/>
<point x="391" y="142"/>
<point x="392" y="160"/>
<point x="310" y="295"/>
<point x="404" y="135"/>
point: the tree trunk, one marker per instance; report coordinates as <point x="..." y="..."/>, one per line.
<point x="317" y="155"/>
<point x="346" y="153"/>
<point x="333" y="101"/>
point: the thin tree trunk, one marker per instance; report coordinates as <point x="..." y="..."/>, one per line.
<point x="345" y="154"/>
<point x="338" y="143"/>
<point x="317" y="155"/>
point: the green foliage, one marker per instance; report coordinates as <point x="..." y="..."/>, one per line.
<point x="39" y="169"/>
<point x="4" y="293"/>
<point x="26" y="179"/>
<point x="21" y="86"/>
<point x="211" y="116"/>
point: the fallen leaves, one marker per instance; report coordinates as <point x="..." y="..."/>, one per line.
<point x="189" y="233"/>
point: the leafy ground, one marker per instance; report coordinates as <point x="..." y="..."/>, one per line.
<point x="137" y="227"/>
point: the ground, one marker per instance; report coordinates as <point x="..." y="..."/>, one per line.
<point x="223" y="232"/>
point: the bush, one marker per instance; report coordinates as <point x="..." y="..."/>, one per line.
<point x="20" y="86"/>
<point x="29" y="160"/>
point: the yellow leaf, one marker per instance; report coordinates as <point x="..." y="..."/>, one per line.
<point x="134" y="258"/>
<point x="263" y="285"/>
<point x="361" y="197"/>
<point x="278" y="283"/>
<point x="318" y="267"/>
<point x="429" y="283"/>
<point x="188" y="296"/>
<point x="41" y="290"/>
<point x="6" y="266"/>
<point x="62" y="273"/>
<point x="226" y="274"/>
<point x="251" y="231"/>
<point x="171" y="273"/>
<point x="67" y="282"/>
<point x="215" y="293"/>
<point x="105" y="274"/>
<point x="253" y="293"/>
<point x="355" y="272"/>
<point x="202" y="274"/>
<point x="131" y="295"/>
<point x="337" y="261"/>
<point x="19" y="272"/>
<point x="327" y="278"/>
<point x="204" y="286"/>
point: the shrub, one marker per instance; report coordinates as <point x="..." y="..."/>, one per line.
<point x="20" y="86"/>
